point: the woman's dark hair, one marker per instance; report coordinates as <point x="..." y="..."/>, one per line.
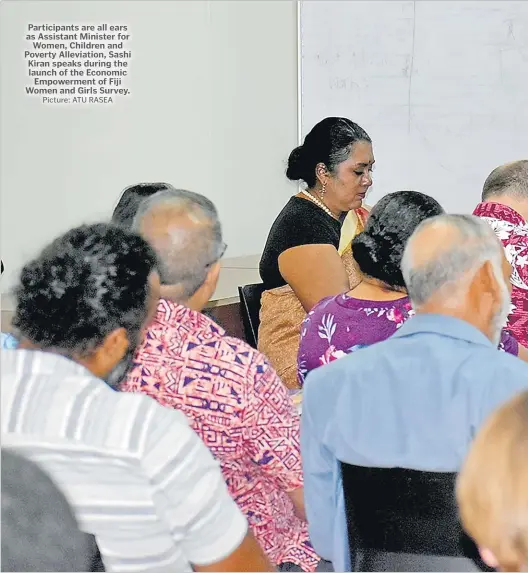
<point x="378" y="250"/>
<point x="329" y="142"/>
<point x="130" y="200"/>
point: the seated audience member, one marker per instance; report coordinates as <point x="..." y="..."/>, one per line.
<point x="39" y="531"/>
<point x="505" y="206"/>
<point x="7" y="340"/>
<point x="492" y="487"/>
<point x="137" y="476"/>
<point x="232" y="396"/>
<point x="379" y="305"/>
<point x="130" y="200"/>
<point x="307" y="256"/>
<point x="416" y="399"/>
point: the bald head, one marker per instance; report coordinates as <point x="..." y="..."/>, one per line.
<point x="184" y="230"/>
<point x="510" y="180"/>
<point x="442" y="254"/>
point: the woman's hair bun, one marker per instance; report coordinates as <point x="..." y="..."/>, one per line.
<point x="295" y="170"/>
<point x="379" y="257"/>
<point x="366" y="251"/>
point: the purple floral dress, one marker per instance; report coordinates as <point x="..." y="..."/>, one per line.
<point x="341" y="324"/>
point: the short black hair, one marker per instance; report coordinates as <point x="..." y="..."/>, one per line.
<point x="131" y="198"/>
<point x="378" y="250"/>
<point x="510" y="179"/>
<point x="84" y="285"/>
<point x="329" y="142"/>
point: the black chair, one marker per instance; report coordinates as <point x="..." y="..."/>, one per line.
<point x="405" y="520"/>
<point x="250" y="310"/>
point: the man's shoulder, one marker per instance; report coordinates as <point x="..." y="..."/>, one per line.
<point x="243" y="353"/>
<point x="355" y="366"/>
<point x="491" y="361"/>
<point x="82" y="402"/>
<point x="201" y="330"/>
<point x="177" y="325"/>
<point x="397" y="357"/>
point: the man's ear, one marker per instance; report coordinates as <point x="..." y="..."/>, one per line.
<point x="212" y="275"/>
<point x="488" y="557"/>
<point x="485" y="285"/>
<point x="111" y="351"/>
<point x="116" y="344"/>
<point x="487" y="278"/>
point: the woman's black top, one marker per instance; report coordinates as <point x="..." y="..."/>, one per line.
<point x="301" y="222"/>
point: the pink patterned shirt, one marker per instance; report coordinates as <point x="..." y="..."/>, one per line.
<point x="238" y="405"/>
<point x="512" y="230"/>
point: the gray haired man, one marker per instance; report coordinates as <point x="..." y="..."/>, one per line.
<point x="415" y="400"/>
<point x="231" y="395"/>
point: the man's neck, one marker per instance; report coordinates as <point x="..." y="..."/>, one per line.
<point x="518" y="205"/>
<point x="86" y="362"/>
<point x="195" y="302"/>
<point x="459" y="312"/>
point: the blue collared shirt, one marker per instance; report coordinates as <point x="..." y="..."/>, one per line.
<point x="8" y="341"/>
<point x="414" y="401"/>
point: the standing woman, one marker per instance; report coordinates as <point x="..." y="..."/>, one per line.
<point x="308" y="256"/>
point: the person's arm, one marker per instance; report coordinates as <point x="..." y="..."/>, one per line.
<point x="319" y="479"/>
<point x="313" y="272"/>
<point x="274" y="446"/>
<point x="523" y="353"/>
<point x="503" y="380"/>
<point x="248" y="556"/>
<point x="297" y="498"/>
<point x="193" y="497"/>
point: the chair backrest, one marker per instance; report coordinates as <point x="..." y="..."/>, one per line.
<point x="250" y="310"/>
<point x="403" y="511"/>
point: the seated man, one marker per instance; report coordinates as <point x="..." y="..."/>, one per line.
<point x="505" y="207"/>
<point x="492" y="488"/>
<point x="415" y="400"/>
<point x="138" y="478"/>
<point x="232" y="396"/>
<point x="129" y="201"/>
<point x="7" y="340"/>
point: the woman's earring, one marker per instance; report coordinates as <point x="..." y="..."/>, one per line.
<point x="323" y="190"/>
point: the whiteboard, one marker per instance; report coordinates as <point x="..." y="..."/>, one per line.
<point x="441" y="88"/>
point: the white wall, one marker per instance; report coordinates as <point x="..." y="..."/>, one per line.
<point x="213" y="109"/>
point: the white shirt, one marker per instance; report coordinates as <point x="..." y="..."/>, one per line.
<point x="137" y="476"/>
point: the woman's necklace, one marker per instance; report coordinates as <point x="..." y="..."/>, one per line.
<point x="318" y="203"/>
